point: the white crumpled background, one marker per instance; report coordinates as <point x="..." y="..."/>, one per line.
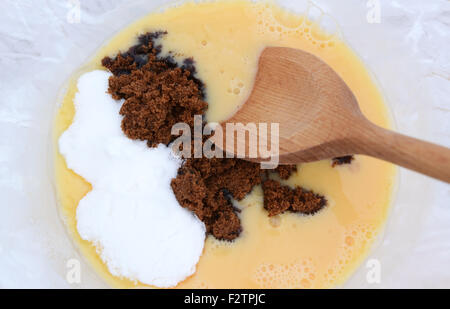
<point x="408" y="52"/>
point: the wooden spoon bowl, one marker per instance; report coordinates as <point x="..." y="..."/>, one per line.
<point x="319" y="117"/>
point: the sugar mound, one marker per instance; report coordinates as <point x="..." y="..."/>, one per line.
<point x="131" y="214"/>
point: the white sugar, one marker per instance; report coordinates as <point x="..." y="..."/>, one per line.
<point x="131" y="214"/>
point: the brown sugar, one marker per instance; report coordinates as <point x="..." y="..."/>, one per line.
<point x="158" y="93"/>
<point x="279" y="198"/>
<point x="285" y="171"/>
<point x="206" y="186"/>
<point x="342" y="160"/>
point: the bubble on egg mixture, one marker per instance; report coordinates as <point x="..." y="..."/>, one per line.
<point x="356" y="239"/>
<point x="236" y="86"/>
<point x="214" y="245"/>
<point x="300" y="274"/>
<point x="317" y="26"/>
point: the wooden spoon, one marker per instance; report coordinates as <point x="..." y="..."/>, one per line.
<point x="319" y="118"/>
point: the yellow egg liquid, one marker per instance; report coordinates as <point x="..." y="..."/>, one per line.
<point x="289" y="251"/>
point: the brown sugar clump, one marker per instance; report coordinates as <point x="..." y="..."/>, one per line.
<point x="306" y="202"/>
<point x="342" y="160"/>
<point x="285" y="171"/>
<point x="190" y="190"/>
<point x="227" y="226"/>
<point x="276" y="199"/>
<point x="211" y="205"/>
<point x="158" y="93"/>
<point x="206" y="187"/>
<point x="279" y="199"/>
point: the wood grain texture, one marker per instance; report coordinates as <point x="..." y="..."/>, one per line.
<point x="319" y="118"/>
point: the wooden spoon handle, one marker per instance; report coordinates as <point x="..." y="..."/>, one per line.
<point x="423" y="157"/>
